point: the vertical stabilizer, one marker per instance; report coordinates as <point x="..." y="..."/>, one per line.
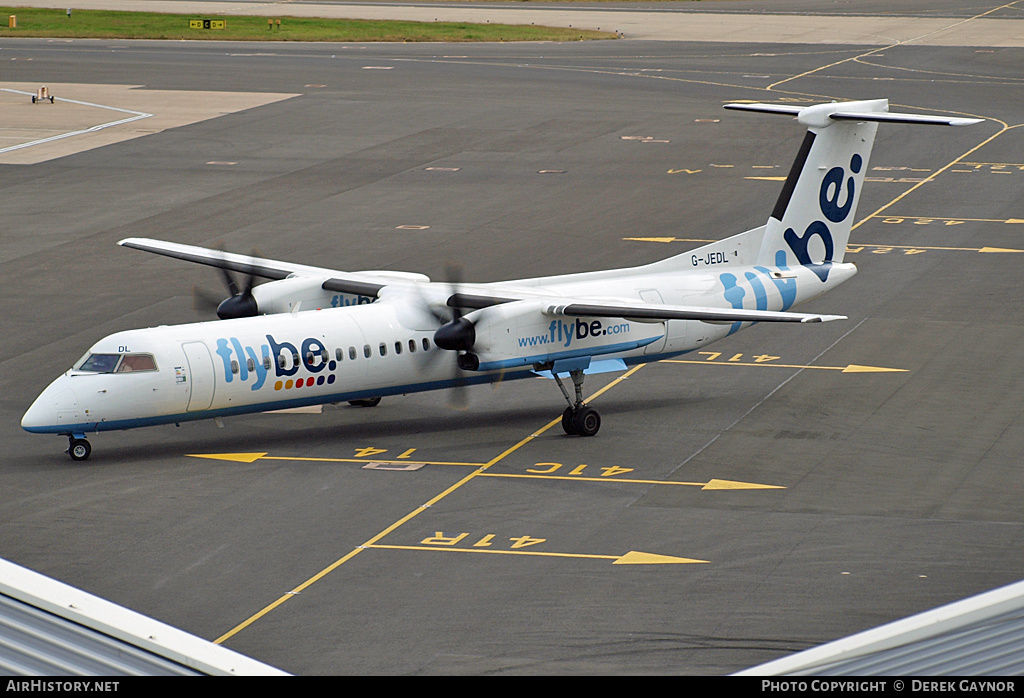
<point x="811" y="222"/>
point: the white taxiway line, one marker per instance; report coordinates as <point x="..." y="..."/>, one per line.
<point x="137" y="115"/>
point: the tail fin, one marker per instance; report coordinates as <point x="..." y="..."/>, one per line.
<point x="814" y="214"/>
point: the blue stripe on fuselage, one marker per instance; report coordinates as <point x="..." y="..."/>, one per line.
<point x="133" y="423"/>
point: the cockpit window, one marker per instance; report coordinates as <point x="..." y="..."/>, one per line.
<point x="137" y="362"/>
<point x="100" y="363"/>
<point x="117" y="363"/>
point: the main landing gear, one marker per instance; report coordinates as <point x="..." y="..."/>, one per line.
<point x="78" y="447"/>
<point x="579" y="419"/>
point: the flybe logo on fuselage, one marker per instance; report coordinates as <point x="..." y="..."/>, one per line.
<point x="734" y="291"/>
<point x="828" y="201"/>
<point x="281" y="358"/>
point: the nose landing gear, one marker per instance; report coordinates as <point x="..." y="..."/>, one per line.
<point x="78" y="447"/>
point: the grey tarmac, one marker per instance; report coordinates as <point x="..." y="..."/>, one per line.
<point x="770" y="495"/>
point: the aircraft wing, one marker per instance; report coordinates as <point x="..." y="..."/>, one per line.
<point x="654" y="313"/>
<point x="370" y="284"/>
<point x="342" y="282"/>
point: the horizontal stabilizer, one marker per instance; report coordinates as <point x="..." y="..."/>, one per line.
<point x="819" y="115"/>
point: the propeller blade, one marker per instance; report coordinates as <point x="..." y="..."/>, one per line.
<point x="205" y="302"/>
<point x="240" y="301"/>
<point x="453" y="275"/>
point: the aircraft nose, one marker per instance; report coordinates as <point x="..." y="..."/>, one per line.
<point x="44" y="414"/>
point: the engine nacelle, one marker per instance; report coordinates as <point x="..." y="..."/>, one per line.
<point x="525" y="333"/>
<point x="301" y="293"/>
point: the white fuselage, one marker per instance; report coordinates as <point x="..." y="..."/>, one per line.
<point x="296" y="359"/>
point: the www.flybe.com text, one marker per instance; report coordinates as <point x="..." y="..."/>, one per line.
<point x="564" y="333"/>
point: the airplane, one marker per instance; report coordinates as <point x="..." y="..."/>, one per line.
<point x="312" y="336"/>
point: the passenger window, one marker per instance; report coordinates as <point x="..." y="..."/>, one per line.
<point x="383" y="349"/>
<point x="338" y="354"/>
<point x="412" y="345"/>
<point x="366" y="350"/>
<point x="426" y="344"/>
<point x="234" y="367"/>
<point x="137" y="362"/>
<point x="398" y="347"/>
<point x="251" y="365"/>
<point x="266" y="362"/>
<point x="282" y="361"/>
<point x="352" y="353"/>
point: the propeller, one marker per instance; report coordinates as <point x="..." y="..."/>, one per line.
<point x="240" y="302"/>
<point x="458" y="335"/>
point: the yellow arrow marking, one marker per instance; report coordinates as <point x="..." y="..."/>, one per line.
<point x="236" y="457"/>
<point x="652" y="239"/>
<point x="768" y="179"/>
<point x="732" y="485"/>
<point x="252" y="457"/>
<point x="948" y="218"/>
<point x="862" y="244"/>
<point x="854" y="368"/>
<point x="668" y="240"/>
<point x="637" y="558"/>
<point x="850" y="368"/>
<point x="944" y="249"/>
<point x="710" y="485"/>
<point x="631" y="558"/>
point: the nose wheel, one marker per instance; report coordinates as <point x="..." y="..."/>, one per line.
<point x="78" y="448"/>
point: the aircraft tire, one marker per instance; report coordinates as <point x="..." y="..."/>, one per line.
<point x="586" y="421"/>
<point x="567" y="426"/>
<point x="79" y="449"/>
<point x="368" y="402"/>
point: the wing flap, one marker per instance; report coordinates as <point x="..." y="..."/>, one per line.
<point x="654" y="313"/>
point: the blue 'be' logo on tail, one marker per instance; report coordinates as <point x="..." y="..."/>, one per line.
<point x="828" y="202"/>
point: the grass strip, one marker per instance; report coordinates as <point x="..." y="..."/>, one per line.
<point x="102" y="24"/>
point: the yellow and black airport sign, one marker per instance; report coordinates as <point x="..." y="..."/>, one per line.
<point x="207" y="24"/>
